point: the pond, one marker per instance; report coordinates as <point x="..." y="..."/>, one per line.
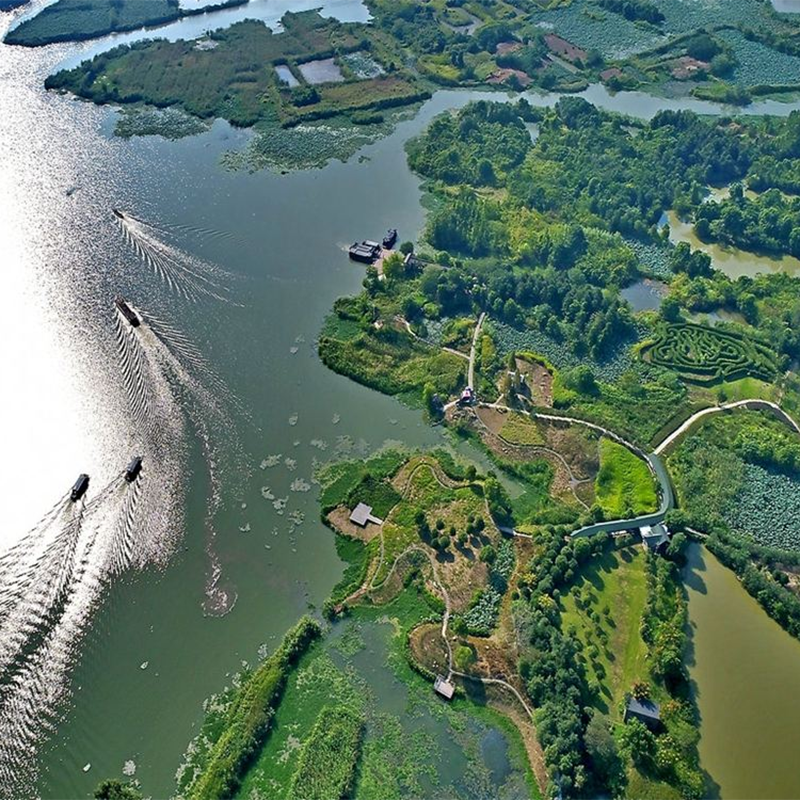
<point x="746" y="673"/>
<point x="285" y="75"/>
<point x="321" y="70"/>
<point x="730" y="260"/>
<point x="645" y="295"/>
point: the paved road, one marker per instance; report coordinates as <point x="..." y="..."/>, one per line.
<point x="760" y="405"/>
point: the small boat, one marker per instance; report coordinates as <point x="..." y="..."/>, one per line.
<point x="390" y="238"/>
<point x="117" y="213"/>
<point x="79" y="487"/>
<point x="133" y="469"/>
<point x="127" y="311"/>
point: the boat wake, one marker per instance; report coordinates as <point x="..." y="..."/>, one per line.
<point x="172" y="392"/>
<point x="52" y="580"/>
<point x="186" y="275"/>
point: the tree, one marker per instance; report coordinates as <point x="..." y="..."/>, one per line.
<point x="580" y="379"/>
<point x="639" y="742"/>
<point x="432" y="401"/>
<point x="393" y="266"/>
<point x="488" y="554"/>
<point x="602" y="749"/>
<point x="116" y="790"/>
<point x="670" y="309"/>
<point x="406" y="248"/>
<point x="464" y="657"/>
<point x="641" y="690"/>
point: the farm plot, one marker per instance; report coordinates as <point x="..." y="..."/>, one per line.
<point x="767" y="507"/>
<point x="707" y="354"/>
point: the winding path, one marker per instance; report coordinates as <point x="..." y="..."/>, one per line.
<point x="757" y="405"/>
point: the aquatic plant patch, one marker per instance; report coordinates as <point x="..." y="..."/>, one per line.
<point x="362" y="65"/>
<point x="217" y="759"/>
<point x="759" y="64"/>
<point x="708" y="354"/>
<point x="653" y="258"/>
<point x="510" y="340"/>
<point x="327" y="762"/>
<point x="588" y="26"/>
<point x="767" y="507"/>
<point x="171" y="123"/>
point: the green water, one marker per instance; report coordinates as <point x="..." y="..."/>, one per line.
<point x="746" y="671"/>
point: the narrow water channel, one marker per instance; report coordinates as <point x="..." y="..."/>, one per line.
<point x="746" y="671"/>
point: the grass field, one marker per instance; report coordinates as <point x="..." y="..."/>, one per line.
<point x="605" y="606"/>
<point x="521" y="430"/>
<point x="624" y="485"/>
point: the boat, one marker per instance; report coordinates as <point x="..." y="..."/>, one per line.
<point x="117" y="213"/>
<point x="363" y="251"/>
<point x="79" y="487"/>
<point x="133" y="469"/>
<point x="127" y="311"/>
<point x="390" y="238"/>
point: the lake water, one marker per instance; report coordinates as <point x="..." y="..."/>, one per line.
<point x="730" y="260"/>
<point x="126" y="669"/>
<point x="747" y="673"/>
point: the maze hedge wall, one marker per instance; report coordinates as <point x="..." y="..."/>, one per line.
<point x="707" y="354"/>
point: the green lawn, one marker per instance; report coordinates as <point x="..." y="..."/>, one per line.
<point x="605" y="606"/>
<point x="624" y="485"/>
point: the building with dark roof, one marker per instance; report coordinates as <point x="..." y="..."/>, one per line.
<point x="645" y="711"/>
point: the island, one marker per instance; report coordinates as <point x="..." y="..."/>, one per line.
<point x="77" y="20"/>
<point x="350" y="74"/>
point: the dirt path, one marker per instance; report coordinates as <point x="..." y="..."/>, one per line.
<point x="475" y="335"/>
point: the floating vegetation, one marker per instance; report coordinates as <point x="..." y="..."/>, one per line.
<point x="290" y="464"/>
<point x="266" y="493"/>
<point x="306" y="146"/>
<point x="271" y="461"/>
<point x="171" y="123"/>
<point x="320" y="444"/>
<point x="587" y="26"/>
<point x="335" y="419"/>
<point x="300" y="485"/>
<point x="759" y="64"/>
<point x="279" y="504"/>
<point x="767" y="507"/>
<point x="653" y="258"/>
<point x="293" y="419"/>
<point x="510" y="339"/>
<point x="362" y="65"/>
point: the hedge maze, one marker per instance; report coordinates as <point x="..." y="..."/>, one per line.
<point x="707" y="354"/>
